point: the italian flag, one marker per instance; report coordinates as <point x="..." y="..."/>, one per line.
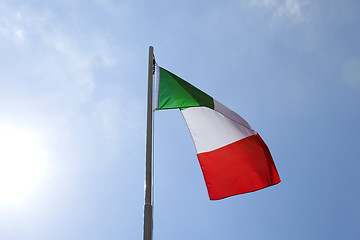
<point x="233" y="157"/>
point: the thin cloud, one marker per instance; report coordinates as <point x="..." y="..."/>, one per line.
<point x="56" y="64"/>
<point x="115" y="8"/>
<point x="70" y="62"/>
<point x="19" y="33"/>
<point x="10" y="26"/>
<point x="291" y="9"/>
<point x="294" y="11"/>
<point x="118" y="122"/>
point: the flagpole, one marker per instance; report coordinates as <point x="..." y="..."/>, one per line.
<point x="148" y="209"/>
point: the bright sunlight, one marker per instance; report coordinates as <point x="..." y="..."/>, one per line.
<point x="22" y="164"/>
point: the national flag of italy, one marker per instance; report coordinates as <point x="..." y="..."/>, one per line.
<point x="233" y="157"/>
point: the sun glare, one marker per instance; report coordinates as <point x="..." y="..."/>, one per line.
<point x="22" y="164"/>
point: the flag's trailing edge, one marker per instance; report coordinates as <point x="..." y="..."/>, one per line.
<point x="233" y="157"/>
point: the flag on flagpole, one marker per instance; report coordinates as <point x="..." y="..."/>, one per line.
<point x="233" y="157"/>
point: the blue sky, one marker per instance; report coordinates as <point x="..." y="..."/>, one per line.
<point x="73" y="77"/>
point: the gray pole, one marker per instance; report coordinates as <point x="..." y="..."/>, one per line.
<point x="148" y="215"/>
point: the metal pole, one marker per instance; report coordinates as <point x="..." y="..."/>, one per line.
<point x="148" y="215"/>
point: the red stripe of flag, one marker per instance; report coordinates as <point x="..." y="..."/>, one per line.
<point x="240" y="167"/>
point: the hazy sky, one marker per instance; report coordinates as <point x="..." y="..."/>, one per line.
<point x="73" y="81"/>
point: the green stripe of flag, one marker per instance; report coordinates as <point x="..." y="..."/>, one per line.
<point x="175" y="92"/>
